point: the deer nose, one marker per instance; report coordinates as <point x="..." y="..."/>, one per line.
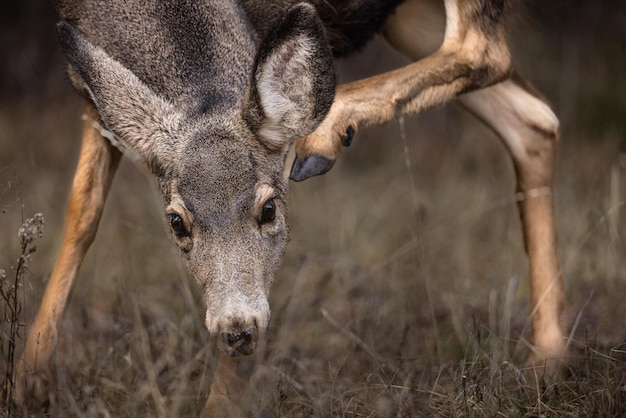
<point x="240" y="343"/>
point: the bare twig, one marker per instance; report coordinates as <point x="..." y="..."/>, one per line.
<point x="30" y="230"/>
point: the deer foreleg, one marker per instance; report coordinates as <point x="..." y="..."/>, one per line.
<point x="473" y="55"/>
<point x="230" y="386"/>
<point x="94" y="174"/>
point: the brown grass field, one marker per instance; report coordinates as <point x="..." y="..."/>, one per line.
<point x="403" y="291"/>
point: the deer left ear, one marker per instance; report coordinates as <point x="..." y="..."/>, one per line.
<point x="293" y="82"/>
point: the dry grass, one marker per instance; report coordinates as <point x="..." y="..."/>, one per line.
<point x="402" y="292"/>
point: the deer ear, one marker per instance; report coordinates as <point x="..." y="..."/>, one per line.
<point x="293" y="82"/>
<point x="142" y="121"/>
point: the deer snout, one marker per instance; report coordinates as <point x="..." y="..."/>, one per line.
<point x="238" y="334"/>
<point x="238" y="313"/>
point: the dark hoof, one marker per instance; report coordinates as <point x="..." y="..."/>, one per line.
<point x="313" y="165"/>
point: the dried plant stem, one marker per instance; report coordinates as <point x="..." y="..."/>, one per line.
<point x="28" y="233"/>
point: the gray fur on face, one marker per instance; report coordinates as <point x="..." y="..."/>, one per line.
<point x="212" y="116"/>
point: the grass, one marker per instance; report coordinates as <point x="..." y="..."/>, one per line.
<point x="403" y="291"/>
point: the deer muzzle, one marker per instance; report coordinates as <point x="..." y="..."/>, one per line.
<point x="239" y="332"/>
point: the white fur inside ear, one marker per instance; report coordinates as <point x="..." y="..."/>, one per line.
<point x="285" y="87"/>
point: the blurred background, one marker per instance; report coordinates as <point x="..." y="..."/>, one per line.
<point x="405" y="259"/>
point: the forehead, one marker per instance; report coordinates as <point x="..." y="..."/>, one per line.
<point x="222" y="169"/>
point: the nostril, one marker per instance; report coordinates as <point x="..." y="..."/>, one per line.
<point x="231" y="339"/>
<point x="237" y="337"/>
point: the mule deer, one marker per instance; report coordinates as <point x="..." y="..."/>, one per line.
<point x="210" y="95"/>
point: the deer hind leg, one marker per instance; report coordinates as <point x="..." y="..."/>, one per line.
<point x="473" y="55"/>
<point x="96" y="166"/>
<point x="529" y="129"/>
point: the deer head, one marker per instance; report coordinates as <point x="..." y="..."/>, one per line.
<point x="221" y="171"/>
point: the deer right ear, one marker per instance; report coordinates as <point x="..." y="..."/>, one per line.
<point x="293" y="83"/>
<point x="141" y="119"/>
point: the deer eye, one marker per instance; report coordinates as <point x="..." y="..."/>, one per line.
<point x="177" y="224"/>
<point x="268" y="213"/>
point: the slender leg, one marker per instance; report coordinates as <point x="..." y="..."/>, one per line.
<point x="529" y="129"/>
<point x="94" y="174"/>
<point x="469" y="58"/>
<point x="229" y="388"/>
